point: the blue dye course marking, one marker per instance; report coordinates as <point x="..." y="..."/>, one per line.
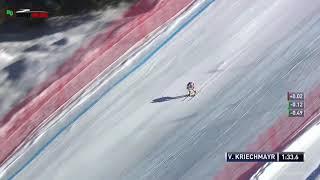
<point x="144" y="60"/>
<point x="315" y="174"/>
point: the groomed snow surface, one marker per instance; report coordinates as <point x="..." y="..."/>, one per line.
<point x="244" y="56"/>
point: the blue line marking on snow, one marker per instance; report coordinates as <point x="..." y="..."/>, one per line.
<point x="144" y="60"/>
<point x="315" y="174"/>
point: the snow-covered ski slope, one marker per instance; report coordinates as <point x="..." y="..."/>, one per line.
<point x="243" y="57"/>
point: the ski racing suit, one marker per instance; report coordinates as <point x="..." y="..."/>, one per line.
<point x="191" y="89"/>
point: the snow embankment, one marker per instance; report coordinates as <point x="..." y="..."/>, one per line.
<point x="29" y="55"/>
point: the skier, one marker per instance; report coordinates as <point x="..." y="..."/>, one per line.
<point x="191" y="89"/>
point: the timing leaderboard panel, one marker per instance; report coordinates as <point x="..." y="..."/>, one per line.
<point x="296" y="104"/>
<point x="264" y="157"/>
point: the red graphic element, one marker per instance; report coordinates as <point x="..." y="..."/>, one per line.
<point x="39" y="15"/>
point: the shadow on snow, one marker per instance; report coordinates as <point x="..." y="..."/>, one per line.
<point x="167" y="98"/>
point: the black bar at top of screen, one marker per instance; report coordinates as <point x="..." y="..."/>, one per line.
<point x="23" y="15"/>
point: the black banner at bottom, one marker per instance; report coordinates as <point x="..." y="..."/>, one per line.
<point x="264" y="157"/>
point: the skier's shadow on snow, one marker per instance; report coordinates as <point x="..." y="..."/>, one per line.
<point x="167" y="98"/>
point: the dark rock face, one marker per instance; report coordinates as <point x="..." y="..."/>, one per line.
<point x="16" y="70"/>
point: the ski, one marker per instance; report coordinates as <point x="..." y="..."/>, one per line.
<point x="185" y="98"/>
<point x="191" y="97"/>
